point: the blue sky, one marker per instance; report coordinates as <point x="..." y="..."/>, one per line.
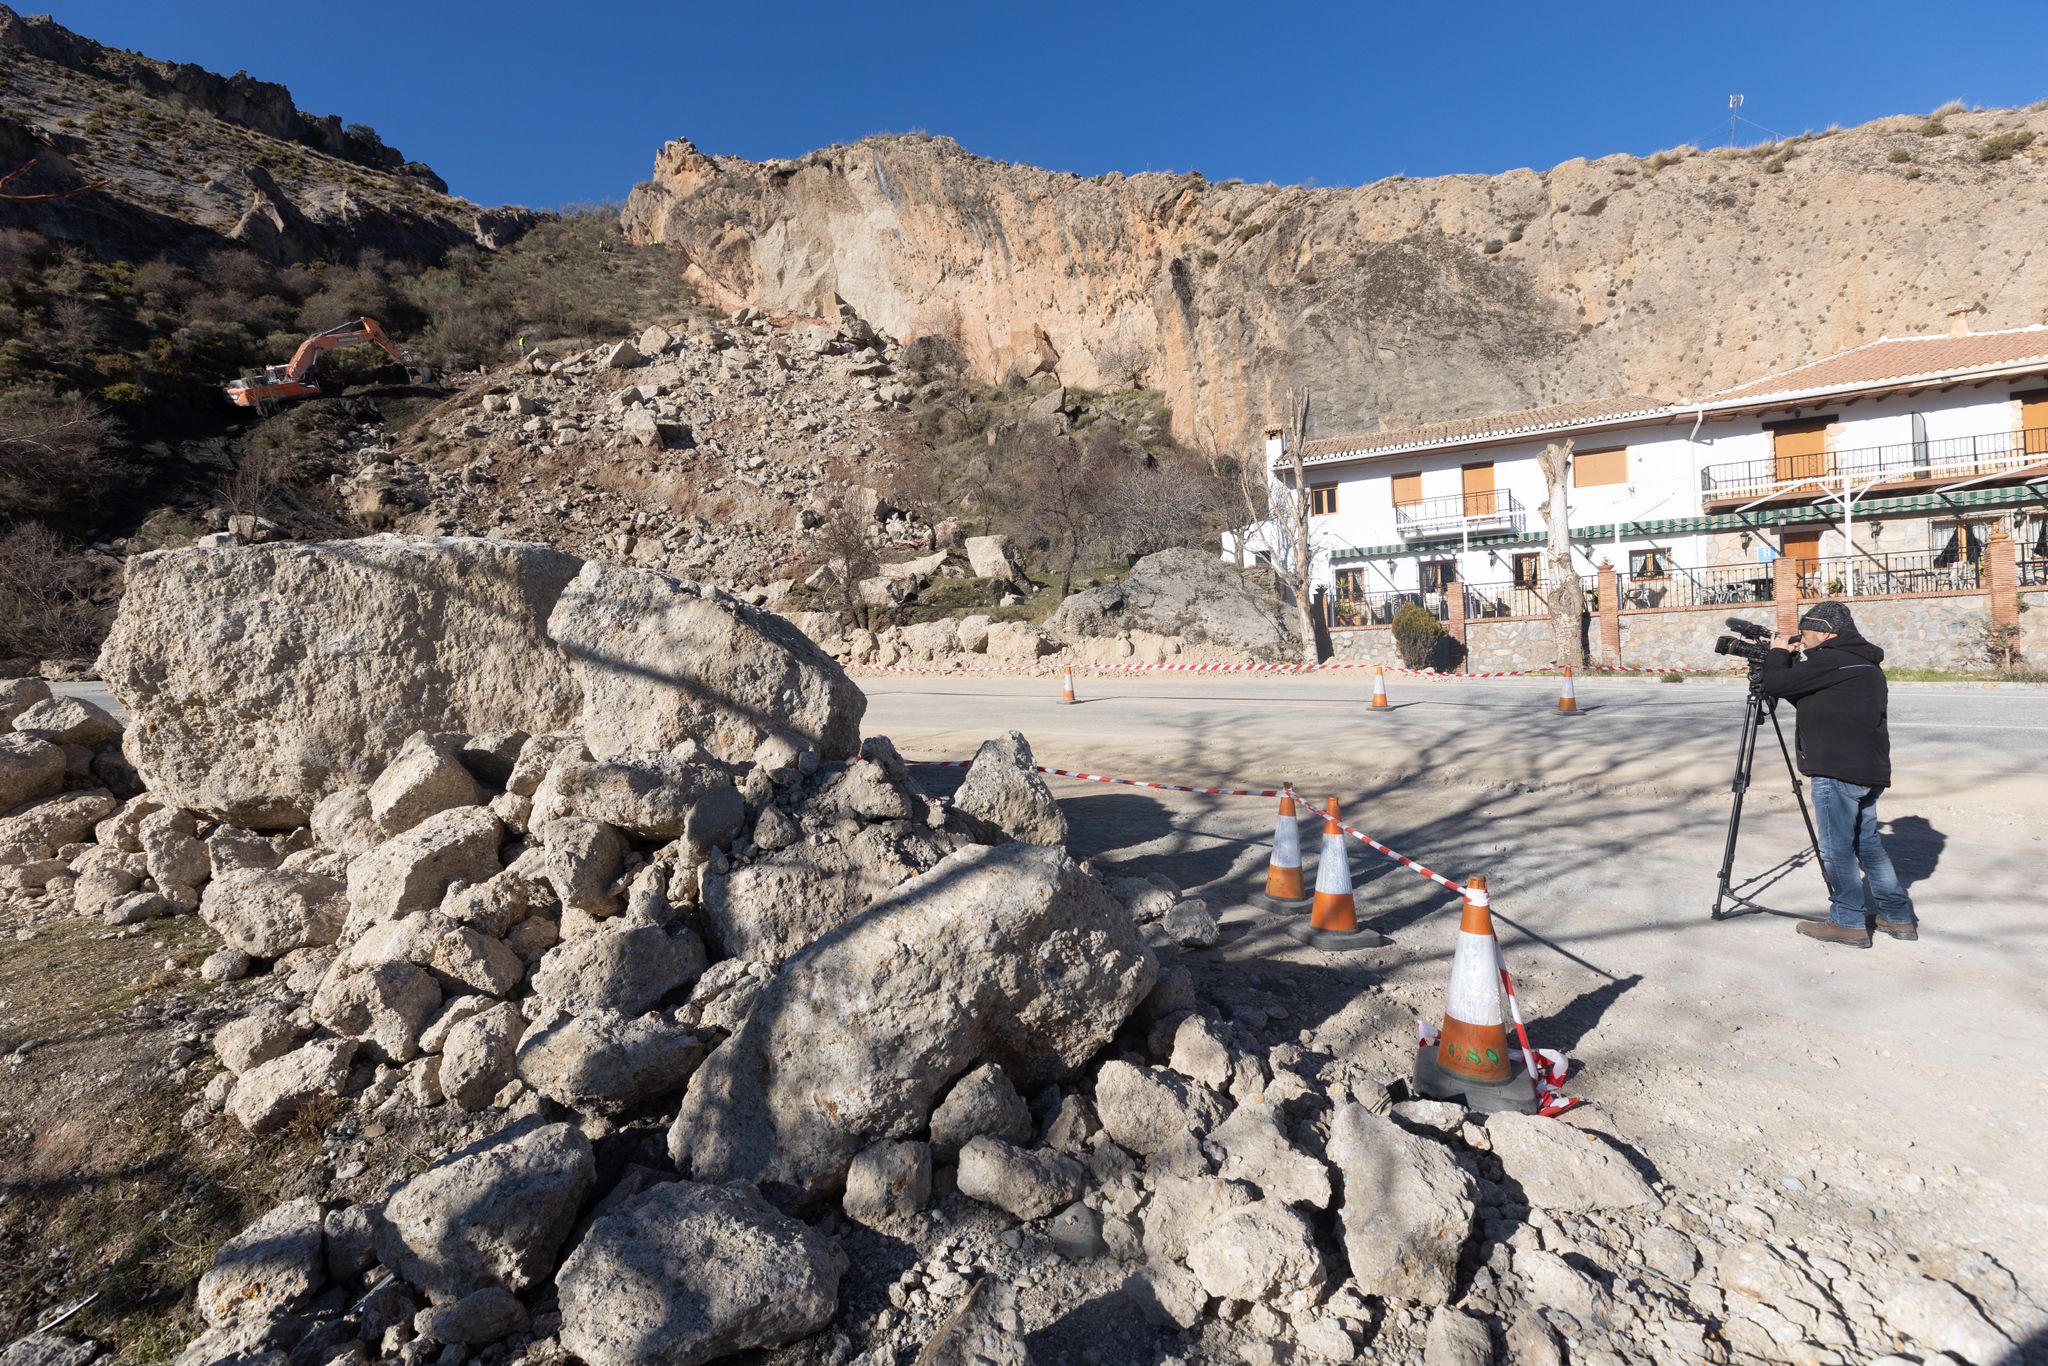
<point x="546" y="104"/>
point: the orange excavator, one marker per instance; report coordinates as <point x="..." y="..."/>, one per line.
<point x="294" y="379"/>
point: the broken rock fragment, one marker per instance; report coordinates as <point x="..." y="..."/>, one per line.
<point x="687" y="1273"/>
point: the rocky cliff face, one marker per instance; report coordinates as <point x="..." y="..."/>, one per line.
<point x="1398" y="301"/>
<point x="191" y="157"/>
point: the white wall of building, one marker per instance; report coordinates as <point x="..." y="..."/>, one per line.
<point x="1665" y="463"/>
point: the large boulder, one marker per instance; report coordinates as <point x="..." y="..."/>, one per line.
<point x="766" y="910"/>
<point x="649" y="795"/>
<point x="268" y="1266"/>
<point x="268" y="913"/>
<point x="687" y="1273"/>
<point x="29" y="768"/>
<point x="607" y="1063"/>
<point x="1009" y="954"/>
<point x="1562" y="1167"/>
<point x="493" y="1213"/>
<point x="1192" y="594"/>
<point x="658" y="661"/>
<point x="623" y="968"/>
<point x="262" y="678"/>
<point x="1407" y="1207"/>
<point x="67" y="721"/>
<point x="1004" y="798"/>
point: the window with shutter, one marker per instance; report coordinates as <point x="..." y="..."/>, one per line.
<point x="1590" y="469"/>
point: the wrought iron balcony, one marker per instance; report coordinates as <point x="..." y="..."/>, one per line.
<point x="1436" y="518"/>
<point x="1955" y="457"/>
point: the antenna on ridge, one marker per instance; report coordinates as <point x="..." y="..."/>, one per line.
<point x="1734" y="103"/>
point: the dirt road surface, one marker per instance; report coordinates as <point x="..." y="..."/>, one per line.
<point x="1897" y="1084"/>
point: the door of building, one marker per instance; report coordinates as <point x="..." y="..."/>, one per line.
<point x="2034" y="423"/>
<point x="1479" y="489"/>
<point x="1803" y="549"/>
<point x="1800" y="449"/>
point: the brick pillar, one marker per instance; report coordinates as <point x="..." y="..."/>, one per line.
<point x="1454" y="610"/>
<point x="1785" y="592"/>
<point x="1610" y="615"/>
<point x="2002" y="578"/>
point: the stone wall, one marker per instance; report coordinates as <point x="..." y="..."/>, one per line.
<point x="2034" y="625"/>
<point x="1930" y="631"/>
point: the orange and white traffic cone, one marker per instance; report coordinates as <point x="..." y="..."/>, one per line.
<point x="1283" y="870"/>
<point x="1067" y="688"/>
<point x="1469" y="1061"/>
<point x="1379" y="688"/>
<point x="1567" y="699"/>
<point x="1333" y="918"/>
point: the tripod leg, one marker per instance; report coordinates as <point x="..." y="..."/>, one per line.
<point x="1745" y="759"/>
<point x="1799" y="792"/>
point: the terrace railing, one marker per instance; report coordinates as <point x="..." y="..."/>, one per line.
<point x="2034" y="573"/>
<point x="1912" y="571"/>
<point x="1955" y="457"/>
<point x="1728" y="586"/>
<point x="1458" y="513"/>
<point x="1378" y="609"/>
<point x="1504" y="599"/>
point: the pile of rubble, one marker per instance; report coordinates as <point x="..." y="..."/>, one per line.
<point x="701" y="1028"/>
<point x="711" y="452"/>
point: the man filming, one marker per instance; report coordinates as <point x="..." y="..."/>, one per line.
<point x="1835" y="678"/>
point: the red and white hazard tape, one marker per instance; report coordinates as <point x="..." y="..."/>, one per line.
<point x="1048" y="670"/>
<point x="1547" y="1067"/>
<point x="1547" y="1073"/>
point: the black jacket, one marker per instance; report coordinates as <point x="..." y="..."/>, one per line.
<point x="1840" y="692"/>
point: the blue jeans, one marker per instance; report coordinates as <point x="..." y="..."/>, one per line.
<point x="1847" y="815"/>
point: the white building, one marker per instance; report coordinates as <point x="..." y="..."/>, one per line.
<point x="1882" y="469"/>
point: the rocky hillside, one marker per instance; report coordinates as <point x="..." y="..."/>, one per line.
<point x="1395" y="301"/>
<point x="191" y="158"/>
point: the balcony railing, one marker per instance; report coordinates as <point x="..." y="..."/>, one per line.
<point x="1912" y="571"/>
<point x="1457" y="514"/>
<point x="1728" y="586"/>
<point x="1956" y="457"/>
<point x="1378" y="609"/>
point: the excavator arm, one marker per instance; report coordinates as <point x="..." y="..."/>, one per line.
<point x="294" y="379"/>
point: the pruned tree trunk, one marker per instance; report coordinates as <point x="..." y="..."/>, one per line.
<point x="1277" y="499"/>
<point x="1301" y="551"/>
<point x="1566" y="598"/>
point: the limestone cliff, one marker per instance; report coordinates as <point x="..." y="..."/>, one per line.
<point x="1396" y="301"/>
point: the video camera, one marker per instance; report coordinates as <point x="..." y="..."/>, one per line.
<point x="1749" y="641"/>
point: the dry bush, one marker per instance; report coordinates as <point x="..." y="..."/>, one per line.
<point x="46" y="585"/>
<point x="51" y="447"/>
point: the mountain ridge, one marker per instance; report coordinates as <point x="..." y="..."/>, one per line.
<point x="1405" y="300"/>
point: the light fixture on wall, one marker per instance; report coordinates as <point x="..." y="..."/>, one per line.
<point x="1744" y="540"/>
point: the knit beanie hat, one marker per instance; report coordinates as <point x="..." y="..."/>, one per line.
<point x="1832" y="617"/>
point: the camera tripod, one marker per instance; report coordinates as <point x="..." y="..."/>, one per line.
<point x="1760" y="706"/>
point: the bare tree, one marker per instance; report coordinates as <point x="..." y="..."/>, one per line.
<point x="1068" y="483"/>
<point x="1277" y="508"/>
<point x="1567" y="598"/>
<point x="51" y="449"/>
<point x="846" y="540"/>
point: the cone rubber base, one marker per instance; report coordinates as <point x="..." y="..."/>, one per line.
<point x="1336" y="941"/>
<point x="1517" y="1094"/>
<point x="1284" y="905"/>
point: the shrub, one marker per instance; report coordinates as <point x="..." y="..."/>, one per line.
<point x="2000" y="645"/>
<point x="1671" y="678"/>
<point x="50" y="446"/>
<point x="1898" y="155"/>
<point x="2003" y="146"/>
<point x="1416" y="634"/>
<point x="1934" y="127"/>
<point x="46" y="607"/>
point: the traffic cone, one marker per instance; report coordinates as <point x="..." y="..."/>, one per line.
<point x="1067" y="688"/>
<point x="1469" y="1062"/>
<point x="1333" y="919"/>
<point x="1283" y="870"/>
<point x="1567" y="700"/>
<point x="1379" y="688"/>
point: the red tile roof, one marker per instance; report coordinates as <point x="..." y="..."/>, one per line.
<point x="1884" y="363"/>
<point x="1896" y="360"/>
<point x="1491" y="427"/>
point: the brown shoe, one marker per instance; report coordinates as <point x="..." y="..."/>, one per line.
<point x="1828" y="932"/>
<point x="1899" y="929"/>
